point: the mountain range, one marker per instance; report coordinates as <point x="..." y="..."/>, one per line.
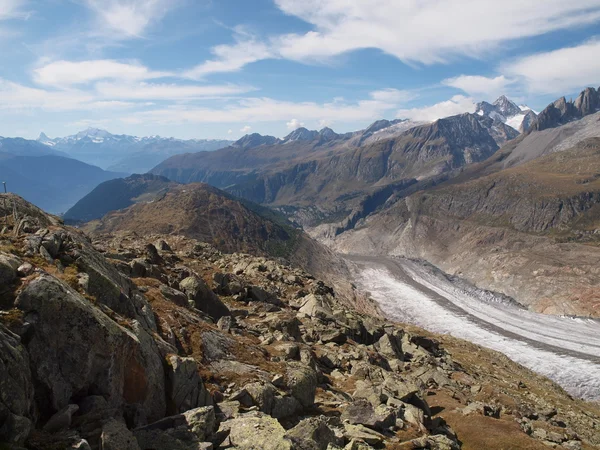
<point x="123" y="153"/>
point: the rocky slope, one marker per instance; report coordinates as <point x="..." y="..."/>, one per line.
<point x="132" y="342"/>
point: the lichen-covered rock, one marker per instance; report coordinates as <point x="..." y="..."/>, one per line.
<point x="124" y="365"/>
<point x="254" y="432"/>
<point x="312" y="434"/>
<point x="302" y="381"/>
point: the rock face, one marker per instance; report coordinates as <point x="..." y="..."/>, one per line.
<point x="103" y="358"/>
<point x="203" y="298"/>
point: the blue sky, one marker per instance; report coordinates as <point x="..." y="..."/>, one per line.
<point x="222" y="68"/>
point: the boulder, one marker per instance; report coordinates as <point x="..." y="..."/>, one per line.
<point x="255" y="431"/>
<point x="361" y="412"/>
<point x="260" y="295"/>
<point x="104" y="358"/>
<point x="228" y="284"/>
<point x="184" y="387"/>
<point x="316" y="306"/>
<point x="202" y="298"/>
<point x="8" y="268"/>
<point x="312" y="434"/>
<point x="185" y="431"/>
<point x="285" y="407"/>
<point x="302" y="380"/>
<point x="173" y="295"/>
<point x="263" y="395"/>
<point x="390" y="346"/>
<point x="116" y="436"/>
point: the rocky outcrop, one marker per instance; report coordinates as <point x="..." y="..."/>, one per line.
<point x="561" y="111"/>
<point x="104" y="358"/>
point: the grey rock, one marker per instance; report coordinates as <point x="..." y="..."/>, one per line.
<point x="177" y="297"/>
<point x="8" y="268"/>
<point x="260" y="295"/>
<point x="390" y="346"/>
<point x="123" y="365"/>
<point x="184" y="387"/>
<point x="181" y="432"/>
<point x="302" y="381"/>
<point x="263" y="395"/>
<point x="255" y="431"/>
<point x="284" y="407"/>
<point x="361" y="412"/>
<point x="25" y="269"/>
<point x="81" y="445"/>
<point x="116" y="436"/>
<point x="61" y="420"/>
<point x="360" y="432"/>
<point x="312" y="434"/>
<point x="203" y="298"/>
<point x="316" y="306"/>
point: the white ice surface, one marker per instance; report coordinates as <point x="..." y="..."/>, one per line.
<point x="578" y="375"/>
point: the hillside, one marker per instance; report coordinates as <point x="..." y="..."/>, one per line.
<point x="117" y="194"/>
<point x="173" y="344"/>
<point x="201" y="212"/>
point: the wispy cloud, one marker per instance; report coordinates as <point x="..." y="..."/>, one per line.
<point x="264" y="109"/>
<point x="456" y="105"/>
<point x="485" y="88"/>
<point x="559" y="71"/>
<point x="425" y="32"/>
<point x="67" y="73"/>
<point x="294" y="124"/>
<point x="231" y="58"/>
<point x="129" y="18"/>
<point x="10" y="8"/>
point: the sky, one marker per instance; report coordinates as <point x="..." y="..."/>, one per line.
<point x="220" y="69"/>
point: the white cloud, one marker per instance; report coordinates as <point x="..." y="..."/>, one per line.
<point x="294" y="124"/>
<point x="150" y="91"/>
<point x="229" y="131"/>
<point x="264" y="109"/>
<point x="246" y="129"/>
<point x="423" y="31"/>
<point x="65" y="73"/>
<point x="129" y="18"/>
<point x="9" y="8"/>
<point x="479" y="86"/>
<point x="14" y="96"/>
<point x="231" y="58"/>
<point x="456" y="105"/>
<point x="558" y="71"/>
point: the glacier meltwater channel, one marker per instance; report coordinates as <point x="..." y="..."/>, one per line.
<point x="565" y="349"/>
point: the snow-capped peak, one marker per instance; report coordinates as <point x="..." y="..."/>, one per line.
<point x="506" y="111"/>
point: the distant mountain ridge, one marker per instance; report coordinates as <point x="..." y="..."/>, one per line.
<point x="124" y="153"/>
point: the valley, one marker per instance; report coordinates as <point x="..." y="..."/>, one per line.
<point x="565" y="349"/>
